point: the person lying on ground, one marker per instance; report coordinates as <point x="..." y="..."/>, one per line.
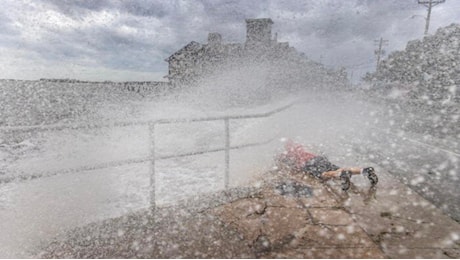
<point x="298" y="159"/>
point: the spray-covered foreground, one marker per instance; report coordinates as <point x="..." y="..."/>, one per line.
<point x="42" y="198"/>
<point x="284" y="215"/>
<point x="350" y="133"/>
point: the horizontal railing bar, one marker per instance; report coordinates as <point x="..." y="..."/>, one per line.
<point x="22" y="178"/>
<point x="216" y="118"/>
<point x="212" y="150"/>
<point x="252" y="144"/>
<point x="52" y="127"/>
<point x="73" y="170"/>
<point x="188" y="154"/>
<point x="56" y="127"/>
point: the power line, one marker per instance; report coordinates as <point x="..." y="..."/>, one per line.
<point x="429" y="4"/>
<point x="360" y="65"/>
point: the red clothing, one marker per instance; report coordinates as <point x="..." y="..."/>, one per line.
<point x="296" y="154"/>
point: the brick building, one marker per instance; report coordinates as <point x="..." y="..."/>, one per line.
<point x="196" y="60"/>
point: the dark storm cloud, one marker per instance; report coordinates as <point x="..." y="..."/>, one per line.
<point x="231" y="10"/>
<point x="112" y="49"/>
<point x="76" y="7"/>
<point x="6" y="24"/>
<point x="140" y="34"/>
<point x="101" y="42"/>
<point x="338" y="21"/>
<point x="147" y="8"/>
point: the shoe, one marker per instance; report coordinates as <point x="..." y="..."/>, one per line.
<point x="369" y="172"/>
<point x="345" y="177"/>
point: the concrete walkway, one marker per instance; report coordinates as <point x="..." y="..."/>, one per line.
<point x="399" y="221"/>
<point x="390" y="221"/>
<point x="286" y="216"/>
<point x="297" y="217"/>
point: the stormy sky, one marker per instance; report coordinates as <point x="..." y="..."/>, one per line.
<point x="128" y="40"/>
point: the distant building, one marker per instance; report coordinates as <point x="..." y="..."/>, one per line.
<point x="183" y="63"/>
<point x="258" y="33"/>
<point x="196" y="60"/>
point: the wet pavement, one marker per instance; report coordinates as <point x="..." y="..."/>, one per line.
<point x="401" y="222"/>
<point x="286" y="215"/>
<point x="277" y="225"/>
<point x="427" y="165"/>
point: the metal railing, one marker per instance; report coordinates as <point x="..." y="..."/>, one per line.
<point x="152" y="154"/>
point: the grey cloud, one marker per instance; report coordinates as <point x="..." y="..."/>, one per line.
<point x="342" y="31"/>
<point x="147" y="8"/>
<point x="75" y="8"/>
<point x="83" y="4"/>
<point x="6" y="24"/>
<point x="337" y="23"/>
<point x="141" y="8"/>
<point x="105" y="45"/>
<point x="342" y="22"/>
<point x="6" y="28"/>
<point x="232" y="10"/>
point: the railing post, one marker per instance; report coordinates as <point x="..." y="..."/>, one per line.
<point x="152" y="165"/>
<point x="227" y="152"/>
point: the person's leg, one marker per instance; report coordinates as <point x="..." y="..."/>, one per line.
<point x="336" y="173"/>
<point x="345" y="175"/>
<point x="322" y="168"/>
<point x="369" y="172"/>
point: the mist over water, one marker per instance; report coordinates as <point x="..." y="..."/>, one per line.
<point x="328" y="120"/>
<point x="35" y="211"/>
<point x="194" y="163"/>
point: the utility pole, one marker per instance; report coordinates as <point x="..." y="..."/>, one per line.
<point x="429" y="4"/>
<point x="380" y="52"/>
<point x="351" y="79"/>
